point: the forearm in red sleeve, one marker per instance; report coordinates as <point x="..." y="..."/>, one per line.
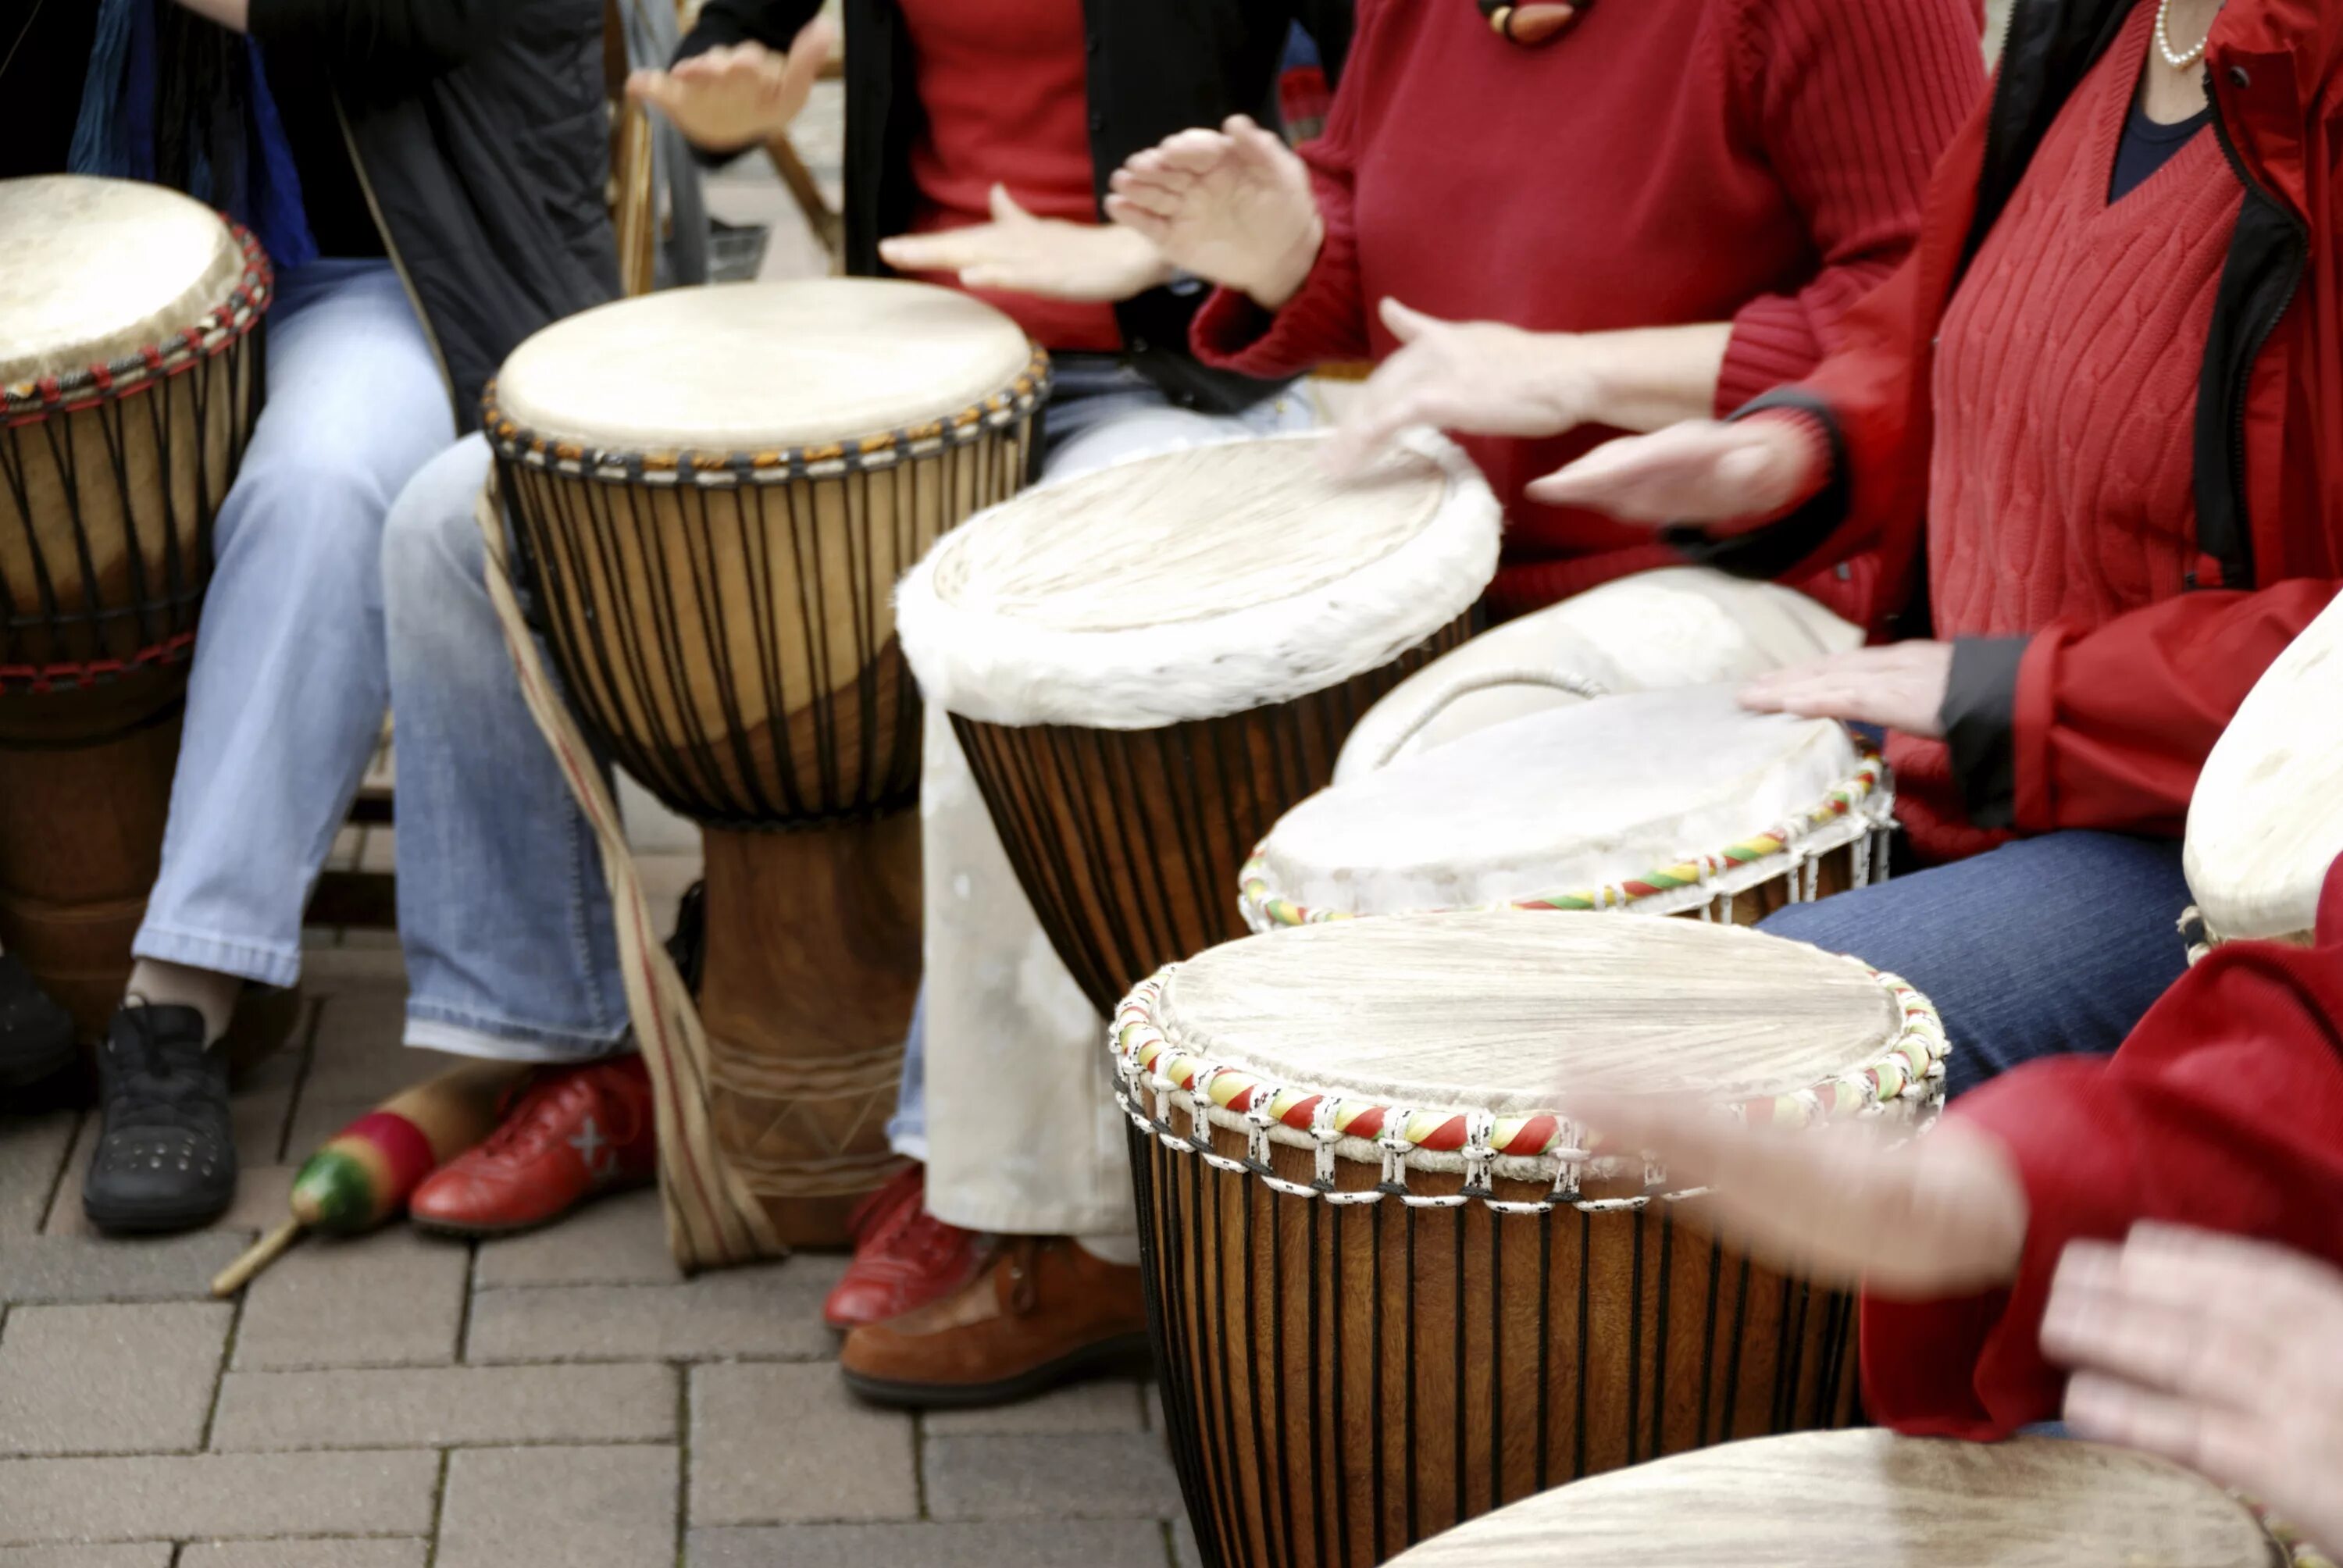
<point x="2219" y="1112"/>
<point x="2110" y="726"/>
<point x="1854" y="101"/>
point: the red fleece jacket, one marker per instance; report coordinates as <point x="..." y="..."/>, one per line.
<point x="2223" y="1111"/>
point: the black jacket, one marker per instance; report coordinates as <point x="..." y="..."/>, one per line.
<point x="1157" y="66"/>
<point x="480" y="129"/>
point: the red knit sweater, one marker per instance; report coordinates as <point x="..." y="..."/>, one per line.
<point x="1005" y="86"/>
<point x="2065" y="394"/>
<point x="1667" y="162"/>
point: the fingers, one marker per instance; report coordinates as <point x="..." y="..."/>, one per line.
<point x="1264" y="149"/>
<point x="2161" y="1324"/>
<point x="1192" y="153"/>
<point x="1405" y="324"/>
<point x="2222" y="1443"/>
<point x="949" y="251"/>
<point x="1637" y="478"/>
<point x="1161" y="194"/>
<point x="1149" y="225"/>
<point x="654" y="89"/>
<point x="809" y="52"/>
<point x="1004" y="206"/>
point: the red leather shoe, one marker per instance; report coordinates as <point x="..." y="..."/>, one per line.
<point x="567" y="1134"/>
<point x="904" y="1257"/>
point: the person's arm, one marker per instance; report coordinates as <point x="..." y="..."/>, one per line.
<point x="740" y="75"/>
<point x="2218" y="1112"/>
<point x="723" y="22"/>
<point x="375" y="37"/>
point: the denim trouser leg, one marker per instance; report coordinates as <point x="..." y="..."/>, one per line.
<point x="511" y="950"/>
<point x="2045" y="947"/>
<point x="286" y="696"/>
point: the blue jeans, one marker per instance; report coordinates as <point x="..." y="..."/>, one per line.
<point x="286" y="696"/>
<point x="2044" y="947"/>
<point x="511" y="952"/>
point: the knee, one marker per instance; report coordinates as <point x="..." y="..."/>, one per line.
<point x="305" y="513"/>
<point x="431" y="548"/>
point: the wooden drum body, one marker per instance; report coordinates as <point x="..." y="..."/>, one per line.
<point x="1669" y="802"/>
<point x="712" y="493"/>
<point x="130" y="378"/>
<point x="1391" y="1292"/>
<point x="1872" y="1500"/>
<point x="1148" y="664"/>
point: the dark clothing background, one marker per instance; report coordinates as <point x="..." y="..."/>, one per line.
<point x="1157" y="66"/>
<point x="332" y="200"/>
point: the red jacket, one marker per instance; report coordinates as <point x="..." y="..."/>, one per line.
<point x="2107" y="726"/>
<point x="2223" y="1110"/>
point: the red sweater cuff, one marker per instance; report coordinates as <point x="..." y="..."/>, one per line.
<point x="1773" y="342"/>
<point x="1815" y="438"/>
<point x="1320" y="325"/>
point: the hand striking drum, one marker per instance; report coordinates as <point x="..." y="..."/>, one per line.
<point x="712" y="492"/>
<point x="1394" y="1285"/>
<point x="1147" y="664"/>
<point x="130" y="376"/>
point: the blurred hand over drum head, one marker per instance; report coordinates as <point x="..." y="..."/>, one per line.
<point x="1232" y="205"/>
<point x="739" y="95"/>
<point x="1728" y="477"/>
<point x="1900" y="685"/>
<point x="1022" y="254"/>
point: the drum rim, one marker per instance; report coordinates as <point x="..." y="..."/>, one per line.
<point x="862" y="453"/>
<point x="1904" y="1079"/>
<point x="1862" y="803"/>
<point x="215" y="332"/>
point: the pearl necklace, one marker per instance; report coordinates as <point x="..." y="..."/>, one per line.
<point x="2172" y="58"/>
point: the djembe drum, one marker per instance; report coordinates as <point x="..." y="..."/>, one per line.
<point x="1661" y="802"/>
<point x="1148" y="664"/>
<point x="2267" y="819"/>
<point x="712" y="493"/>
<point x="130" y="376"/>
<point x="1679" y="626"/>
<point x="1393" y="1287"/>
<point x="1870" y="1500"/>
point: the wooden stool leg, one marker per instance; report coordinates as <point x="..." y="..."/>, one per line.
<point x="812" y="968"/>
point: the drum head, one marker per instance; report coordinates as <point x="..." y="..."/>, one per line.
<point x="1870" y="1500"/>
<point x="2267" y="820"/>
<point x="1580" y="798"/>
<point x="1197" y="583"/>
<point x="1512" y="1012"/>
<point x="120" y="265"/>
<point x="754" y="367"/>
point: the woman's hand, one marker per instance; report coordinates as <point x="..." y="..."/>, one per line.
<point x="1732" y="477"/>
<point x="2217" y="1352"/>
<point x="1477" y="377"/>
<point x="1900" y="685"/>
<point x="1941" y="1215"/>
<point x="739" y="95"/>
<point x="1027" y="254"/>
<point x="1232" y="205"/>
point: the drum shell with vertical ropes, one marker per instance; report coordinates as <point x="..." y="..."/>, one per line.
<point x="1391" y="1292"/>
<point x="131" y="375"/>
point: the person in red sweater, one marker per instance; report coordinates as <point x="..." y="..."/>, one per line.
<point x="1994" y="1292"/>
<point x="2092" y="435"/>
<point x="1652" y="215"/>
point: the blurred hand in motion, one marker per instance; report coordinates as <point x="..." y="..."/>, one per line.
<point x="1023" y="254"/>
<point x="1900" y="686"/>
<point x="1477" y="377"/>
<point x="1943" y="1215"/>
<point x="1730" y="477"/>
<point x="2222" y="1354"/>
<point x="737" y="94"/>
<point x="1232" y="205"/>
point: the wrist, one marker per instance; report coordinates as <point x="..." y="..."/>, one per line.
<point x="1283" y="278"/>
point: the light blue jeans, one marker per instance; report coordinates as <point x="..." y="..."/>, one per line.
<point x="286" y="696"/>
<point x="511" y="952"/>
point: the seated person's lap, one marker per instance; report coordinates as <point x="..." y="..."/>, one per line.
<point x="2044" y="947"/>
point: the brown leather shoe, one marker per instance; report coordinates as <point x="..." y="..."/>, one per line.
<point x="1042" y="1311"/>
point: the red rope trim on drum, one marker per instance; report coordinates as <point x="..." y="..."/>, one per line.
<point x="74" y="677"/>
<point x="864" y="454"/>
<point x="218" y="330"/>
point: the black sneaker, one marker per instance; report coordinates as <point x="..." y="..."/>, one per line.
<point x="36" y="1035"/>
<point x="166" y="1155"/>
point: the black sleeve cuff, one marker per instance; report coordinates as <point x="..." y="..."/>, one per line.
<point x="1772" y="550"/>
<point x="1979" y="712"/>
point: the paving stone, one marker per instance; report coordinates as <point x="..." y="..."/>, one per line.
<point x="31" y="1153"/>
<point x="785" y="1444"/>
<point x="318" y="1117"/>
<point x="442" y="1407"/>
<point x="345" y="965"/>
<point x="1095" y="1475"/>
<point x="357" y="1054"/>
<point x="209" y="1495"/>
<point x="1066" y="1543"/>
<point x="1185" y="1554"/>
<point x="770" y="1310"/>
<point x="143" y="1554"/>
<point x="1109" y="1404"/>
<point x="577" y="1507"/>
<point x="110" y="1379"/>
<point x="263" y="1198"/>
<point x="621" y="1241"/>
<point x="391" y="1298"/>
<point x="342" y="1552"/>
<point x="91" y="1268"/>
